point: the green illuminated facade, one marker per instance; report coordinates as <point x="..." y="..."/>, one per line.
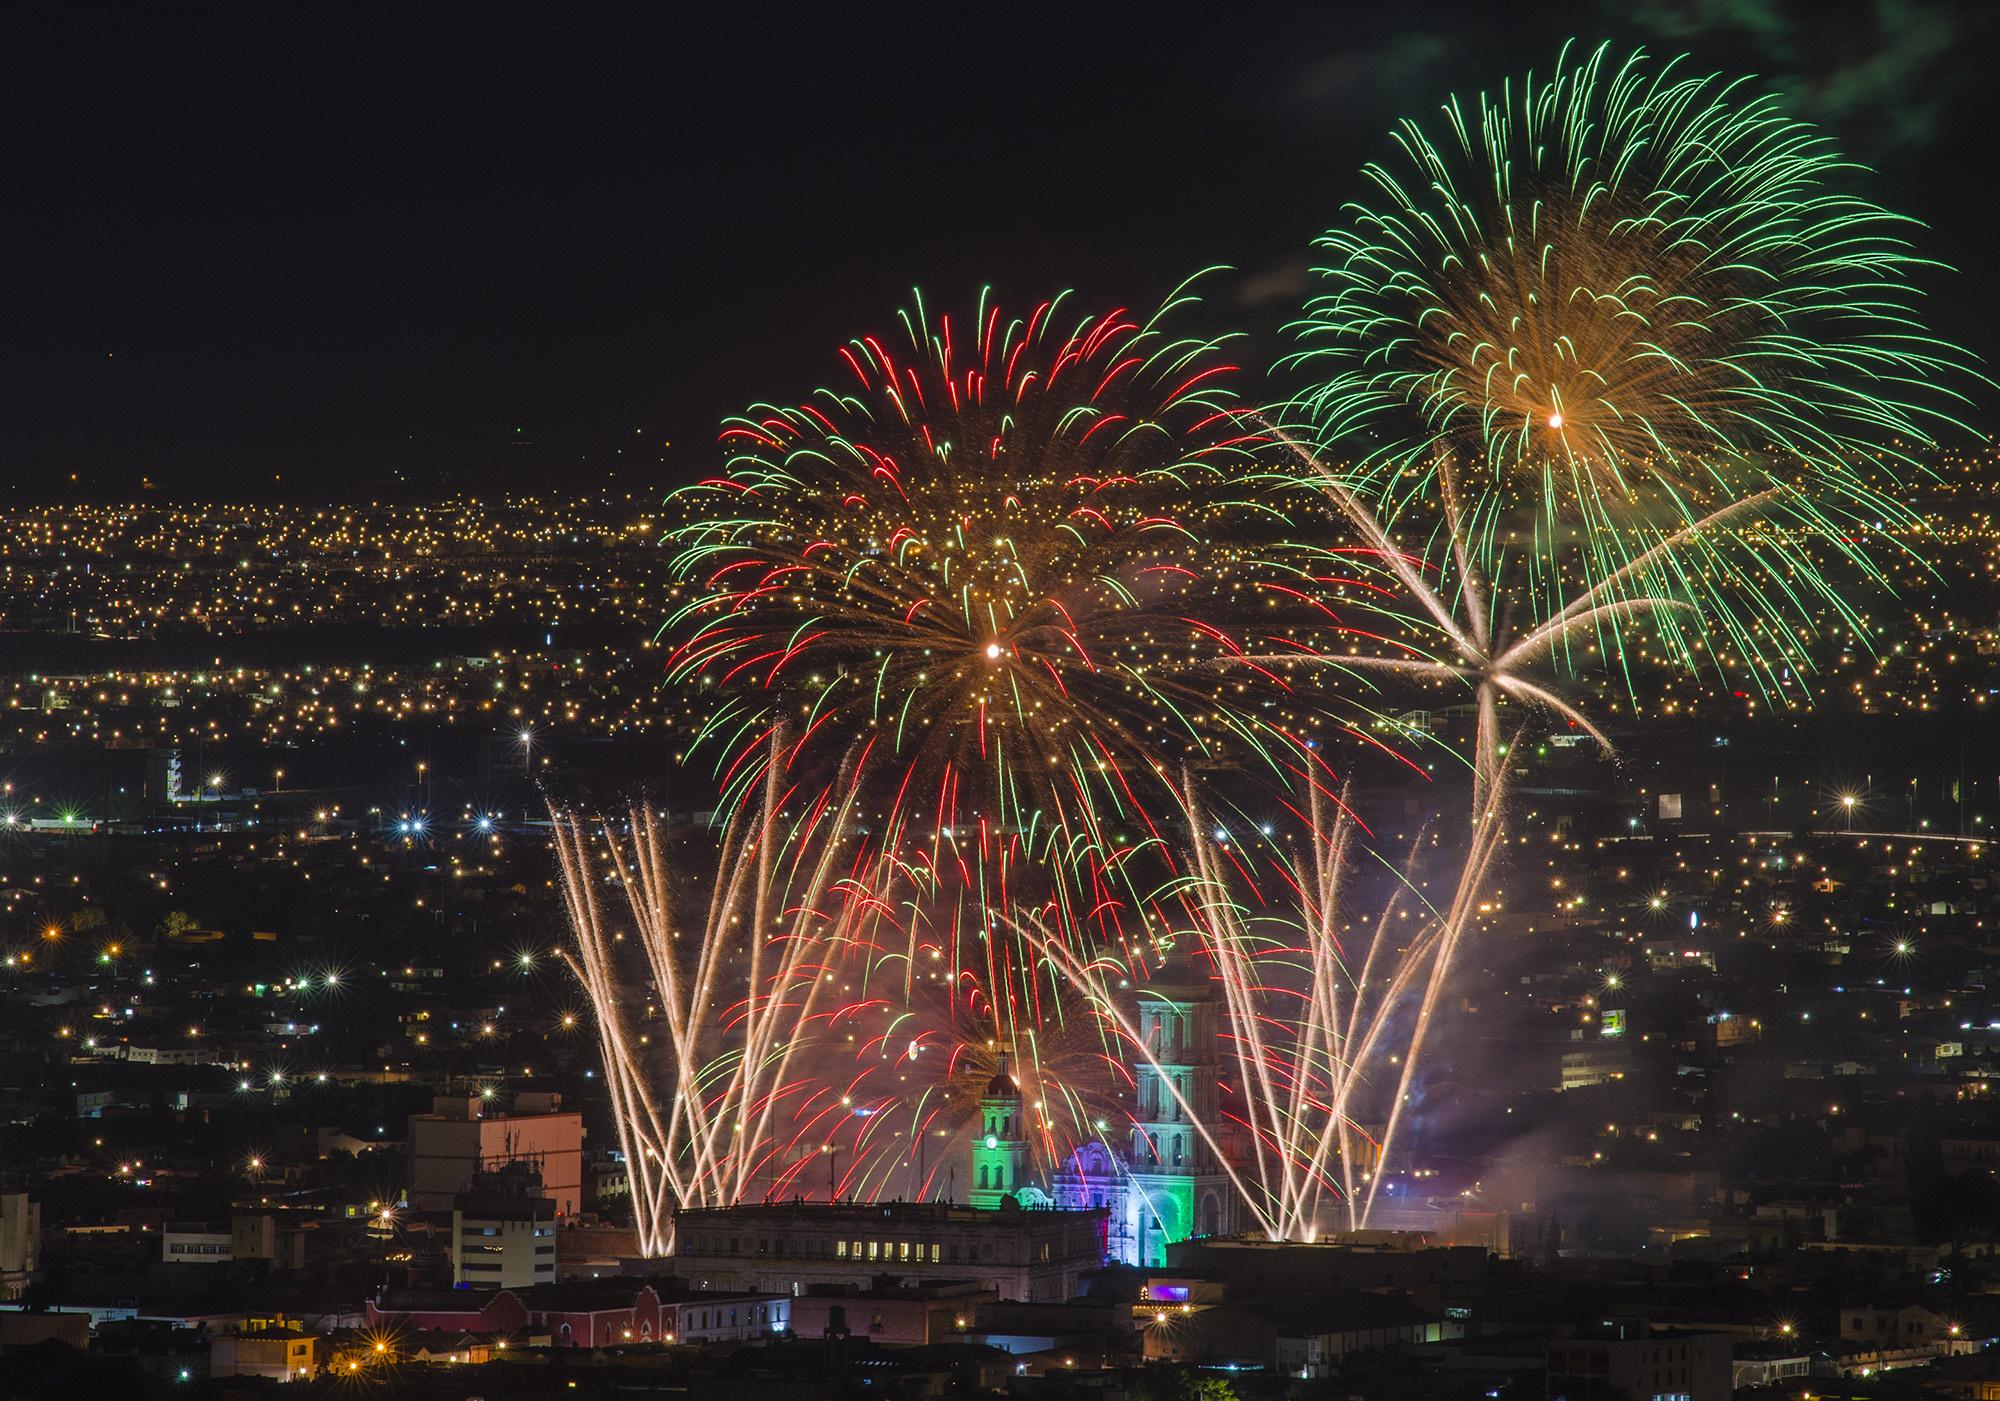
<point x="999" y="1150"/>
<point x="1178" y="1187"/>
<point x="1168" y="1184"/>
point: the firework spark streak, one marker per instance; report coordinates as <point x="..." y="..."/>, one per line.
<point x="1294" y="1067"/>
<point x="735" y="1110"/>
<point x="1307" y="1031"/>
<point x="922" y="1076"/>
<point x="1478" y="647"/>
<point x="1311" y="1026"/>
<point x="1093" y="980"/>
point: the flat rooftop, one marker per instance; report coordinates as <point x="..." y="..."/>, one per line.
<point x="930" y="1213"/>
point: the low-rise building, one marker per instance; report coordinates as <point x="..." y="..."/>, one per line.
<point x="197" y="1243"/>
<point x="894" y="1314"/>
<point x="160" y="1347"/>
<point x="1773" y="1364"/>
<point x="1025" y="1253"/>
<point x="265" y="1347"/>
<point x="1103" y="1328"/>
<point x="24" y="1330"/>
<point x="1630" y="1359"/>
<point x="591" y="1313"/>
<point x="20" y="1242"/>
<point x="1894" y="1325"/>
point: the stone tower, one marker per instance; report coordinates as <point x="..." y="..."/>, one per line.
<point x="1000" y="1147"/>
<point x="1178" y="1186"/>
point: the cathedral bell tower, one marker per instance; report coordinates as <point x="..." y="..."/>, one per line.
<point x="1000" y="1147"/>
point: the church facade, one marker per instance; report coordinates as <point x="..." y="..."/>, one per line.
<point x="1163" y="1182"/>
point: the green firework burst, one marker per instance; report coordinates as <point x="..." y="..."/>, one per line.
<point x="1597" y="309"/>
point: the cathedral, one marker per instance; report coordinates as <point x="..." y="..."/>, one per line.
<point x="1165" y="1183"/>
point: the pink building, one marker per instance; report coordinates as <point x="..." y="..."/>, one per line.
<point x="464" y="1135"/>
<point x="892" y="1314"/>
<point x="591" y="1313"/>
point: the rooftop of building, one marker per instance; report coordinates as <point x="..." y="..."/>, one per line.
<point x="1633" y="1330"/>
<point x="619" y="1291"/>
<point x="1169" y="990"/>
<point x="574" y="1296"/>
<point x="509" y="1191"/>
<point x="908" y="1213"/>
<point x="1346" y="1312"/>
<point x="465" y="1301"/>
<point x="475" y="1108"/>
<point x="413" y="1340"/>
<point x="889" y="1286"/>
<point x="1416" y="1244"/>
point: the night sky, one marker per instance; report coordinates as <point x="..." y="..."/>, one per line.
<point x="314" y="250"/>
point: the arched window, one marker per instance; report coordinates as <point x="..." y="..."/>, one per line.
<point x="564" y="1335"/>
<point x="982" y="1174"/>
<point x="1180" y="1146"/>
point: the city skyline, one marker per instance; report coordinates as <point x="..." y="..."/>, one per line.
<point x="1286" y="706"/>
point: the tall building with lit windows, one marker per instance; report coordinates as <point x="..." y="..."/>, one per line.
<point x="465" y="1135"/>
<point x="503" y="1231"/>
